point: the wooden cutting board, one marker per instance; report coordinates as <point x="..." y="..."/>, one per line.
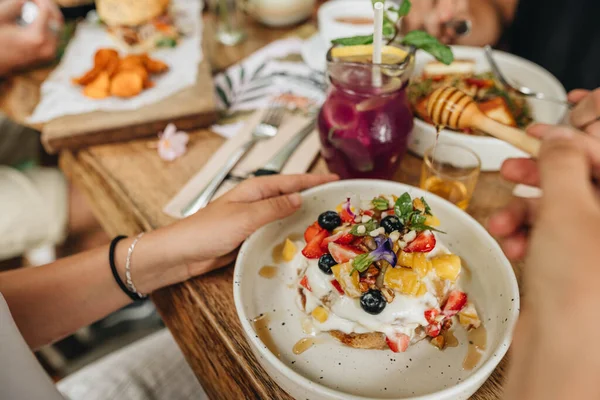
<point x="193" y="107"/>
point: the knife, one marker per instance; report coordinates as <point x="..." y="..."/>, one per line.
<point x="276" y="164"/>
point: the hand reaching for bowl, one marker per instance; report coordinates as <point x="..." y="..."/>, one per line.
<point x="512" y="224"/>
<point x="558" y="235"/>
<point x="210" y="238"/>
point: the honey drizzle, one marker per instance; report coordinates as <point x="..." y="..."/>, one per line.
<point x="268" y="271"/>
<point x="449" y="339"/>
<point x="277" y="253"/>
<point x="477" y="345"/>
<point x="303" y="344"/>
<point x="261" y="327"/>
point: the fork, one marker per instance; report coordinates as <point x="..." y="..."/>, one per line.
<point x="525" y="91"/>
<point x="266" y="129"/>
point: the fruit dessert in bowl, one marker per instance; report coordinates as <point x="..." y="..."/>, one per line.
<point x="377" y="275"/>
<point x="368" y="299"/>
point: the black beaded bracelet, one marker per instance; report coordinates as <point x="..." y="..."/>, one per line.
<point x="113" y="268"/>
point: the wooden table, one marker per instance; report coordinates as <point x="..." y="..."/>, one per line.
<point x="127" y="185"/>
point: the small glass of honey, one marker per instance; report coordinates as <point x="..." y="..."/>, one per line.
<point x="451" y="171"/>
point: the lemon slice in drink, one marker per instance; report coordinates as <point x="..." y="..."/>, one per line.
<point x="364" y="54"/>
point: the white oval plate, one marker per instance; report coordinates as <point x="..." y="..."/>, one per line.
<point x="330" y="370"/>
<point x="492" y="151"/>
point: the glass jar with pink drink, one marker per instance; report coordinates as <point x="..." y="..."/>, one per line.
<point x="366" y="119"/>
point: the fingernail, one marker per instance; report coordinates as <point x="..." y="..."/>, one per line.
<point x="295" y="199"/>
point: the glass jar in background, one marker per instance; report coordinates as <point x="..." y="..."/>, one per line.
<point x="451" y="171"/>
<point x="229" y="24"/>
<point x="366" y="119"/>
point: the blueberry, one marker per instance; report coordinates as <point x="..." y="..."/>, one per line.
<point x="329" y="220"/>
<point x="373" y="302"/>
<point x="391" y="223"/>
<point x="326" y="262"/>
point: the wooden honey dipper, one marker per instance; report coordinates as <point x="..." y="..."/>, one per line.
<point x="451" y="107"/>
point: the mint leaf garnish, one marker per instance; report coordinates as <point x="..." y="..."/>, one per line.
<point x="354" y="40"/>
<point x="361" y="262"/>
<point x="418" y="39"/>
<point x="410" y="218"/>
<point x="427" y="208"/>
<point x="370" y="226"/>
<point x="403" y="10"/>
<point x="403" y="208"/>
<point x="380" y="203"/>
<point x="424" y="41"/>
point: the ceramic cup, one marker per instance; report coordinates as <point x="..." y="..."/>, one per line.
<point x="278" y="13"/>
<point x="345" y="18"/>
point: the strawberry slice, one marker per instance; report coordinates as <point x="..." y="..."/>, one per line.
<point x="398" y="342"/>
<point x="431" y="314"/>
<point x="342" y="237"/>
<point x="337" y="286"/>
<point x="433" y="330"/>
<point x="457" y="300"/>
<point x="346" y="217"/>
<point x="342" y="253"/>
<point x="423" y="243"/>
<point x="304" y="283"/>
<point x="313" y="247"/>
<point x="312" y="231"/>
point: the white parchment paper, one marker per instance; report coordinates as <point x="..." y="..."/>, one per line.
<point x="59" y="96"/>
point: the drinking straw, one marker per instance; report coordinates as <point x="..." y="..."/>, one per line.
<point x="377" y="43"/>
<point x="378" y="33"/>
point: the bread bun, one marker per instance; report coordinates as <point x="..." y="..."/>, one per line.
<point x="130" y="12"/>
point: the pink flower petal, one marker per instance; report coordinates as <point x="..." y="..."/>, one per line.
<point x="172" y="143"/>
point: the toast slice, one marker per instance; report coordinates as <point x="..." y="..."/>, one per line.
<point x="498" y="110"/>
<point x="458" y="67"/>
<point x="371" y="340"/>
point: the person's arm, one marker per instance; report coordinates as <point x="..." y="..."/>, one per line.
<point x="488" y="18"/>
<point x="52" y="301"/>
<point x="554" y="355"/>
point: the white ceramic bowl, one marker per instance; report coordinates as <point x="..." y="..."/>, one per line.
<point x="493" y="151"/>
<point x="330" y="370"/>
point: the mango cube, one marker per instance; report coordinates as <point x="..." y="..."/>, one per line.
<point x="447" y="266"/>
<point x="349" y="283"/>
<point x="405" y="259"/>
<point x="422" y="290"/>
<point x="421" y="265"/>
<point x="404" y="280"/>
<point x="432" y="220"/>
<point x="468" y="317"/>
<point x="289" y="250"/>
<point x="320" y="314"/>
